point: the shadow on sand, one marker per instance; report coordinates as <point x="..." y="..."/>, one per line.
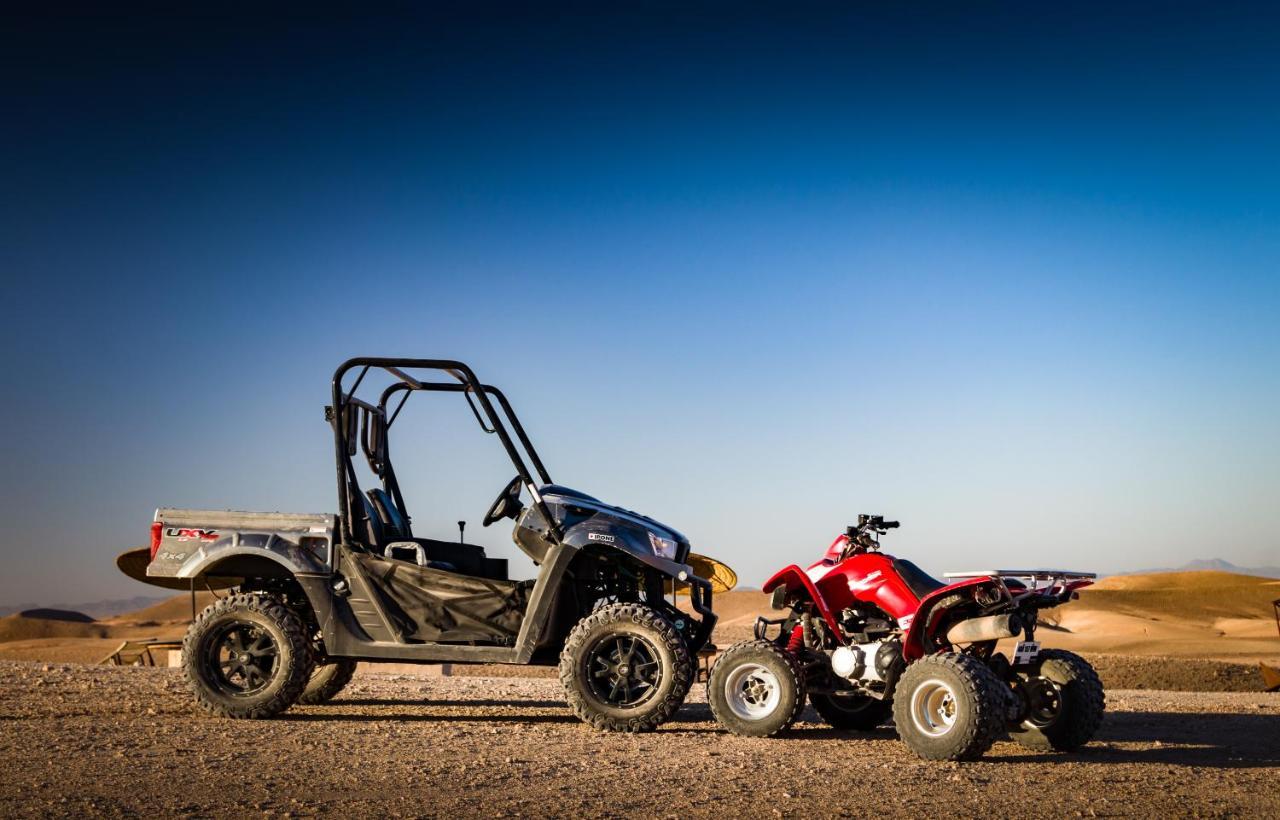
<point x="1212" y="740"/>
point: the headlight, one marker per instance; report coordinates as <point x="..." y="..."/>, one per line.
<point x="663" y="547"/>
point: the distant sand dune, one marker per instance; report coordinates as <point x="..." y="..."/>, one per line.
<point x="1204" y="614"/>
<point x="1174" y="614"/>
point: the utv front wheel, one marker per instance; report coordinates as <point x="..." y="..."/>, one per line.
<point x="246" y="656"/>
<point x="949" y="707"/>
<point x="756" y="689"/>
<point x="1063" y="703"/>
<point x="625" y="668"/>
<point x="851" y="711"/>
<point x="327" y="681"/>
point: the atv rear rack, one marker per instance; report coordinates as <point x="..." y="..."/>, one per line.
<point x="1056" y="583"/>
<point x="1032" y="574"/>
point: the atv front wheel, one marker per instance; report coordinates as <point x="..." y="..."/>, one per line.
<point x="327" y="681"/>
<point x="247" y="656"/>
<point x="625" y="668"/>
<point x="851" y="711"/>
<point x="1063" y="703"/>
<point x="949" y="707"/>
<point x="756" y="689"/>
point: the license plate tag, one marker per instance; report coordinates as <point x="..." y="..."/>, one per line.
<point x="1026" y="652"/>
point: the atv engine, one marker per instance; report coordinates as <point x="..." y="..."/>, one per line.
<point x="866" y="661"/>
<point x="874" y="645"/>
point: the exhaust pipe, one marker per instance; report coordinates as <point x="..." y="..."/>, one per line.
<point x="990" y="628"/>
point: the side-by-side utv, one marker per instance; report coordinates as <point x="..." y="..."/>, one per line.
<point x="311" y="594"/>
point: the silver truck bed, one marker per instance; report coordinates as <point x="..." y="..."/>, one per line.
<point x="195" y="541"/>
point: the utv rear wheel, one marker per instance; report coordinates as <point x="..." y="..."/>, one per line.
<point x="756" y="689"/>
<point x="851" y="711"/>
<point x="949" y="707"/>
<point x="625" y="668"/>
<point x="327" y="681"/>
<point x="1063" y="703"/>
<point x="246" y="656"/>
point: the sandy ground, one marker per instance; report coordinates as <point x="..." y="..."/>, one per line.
<point x="90" y="741"/>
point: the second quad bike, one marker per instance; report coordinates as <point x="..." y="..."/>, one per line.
<point x="867" y="636"/>
<point x="312" y="594"/>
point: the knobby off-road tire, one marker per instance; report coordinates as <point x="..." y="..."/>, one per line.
<point x="625" y="668"/>
<point x="756" y="689"/>
<point x="949" y="707"/>
<point x="327" y="681"/>
<point x="247" y="656"/>
<point x="1065" y="703"/>
<point x="851" y="711"/>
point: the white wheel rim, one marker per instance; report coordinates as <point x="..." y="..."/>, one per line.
<point x="933" y="708"/>
<point x="752" y="691"/>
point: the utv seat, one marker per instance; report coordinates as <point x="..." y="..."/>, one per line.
<point x="388" y="525"/>
<point x="394" y="524"/>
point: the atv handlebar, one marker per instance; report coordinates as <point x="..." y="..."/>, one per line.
<point x="862" y="536"/>
<point x="873" y="523"/>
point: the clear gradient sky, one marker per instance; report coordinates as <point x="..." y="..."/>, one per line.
<point x="1009" y="273"/>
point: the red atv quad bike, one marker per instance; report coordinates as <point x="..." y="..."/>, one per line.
<point x="868" y="635"/>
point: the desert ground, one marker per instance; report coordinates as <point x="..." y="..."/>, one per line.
<point x="1187" y="732"/>
<point x="86" y="740"/>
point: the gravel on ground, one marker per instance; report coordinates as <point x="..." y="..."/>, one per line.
<point x="86" y="741"/>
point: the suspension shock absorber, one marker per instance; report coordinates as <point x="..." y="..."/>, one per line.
<point x="796" y="642"/>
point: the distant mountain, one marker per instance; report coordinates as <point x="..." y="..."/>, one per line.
<point x="1215" y="564"/>
<point x="96" y="609"/>
<point x="57" y="615"/>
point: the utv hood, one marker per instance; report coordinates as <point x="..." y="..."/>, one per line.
<point x="559" y="496"/>
<point x="586" y="521"/>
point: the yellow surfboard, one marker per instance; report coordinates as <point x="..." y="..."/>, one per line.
<point x="722" y="578"/>
<point x="134" y="564"/>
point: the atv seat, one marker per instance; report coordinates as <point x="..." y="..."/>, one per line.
<point x="917" y="580"/>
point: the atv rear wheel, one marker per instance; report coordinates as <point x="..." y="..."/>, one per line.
<point x="327" y="681"/>
<point x="851" y="711"/>
<point x="756" y="689"/>
<point x="1063" y="702"/>
<point x="247" y="656"/>
<point x="949" y="707"/>
<point x="625" y="668"/>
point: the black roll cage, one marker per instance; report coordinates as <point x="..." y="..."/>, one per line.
<point x="370" y="431"/>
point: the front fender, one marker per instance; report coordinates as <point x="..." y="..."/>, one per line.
<point x="794" y="579"/>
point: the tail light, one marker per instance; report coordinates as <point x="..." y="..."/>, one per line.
<point x="156" y="528"/>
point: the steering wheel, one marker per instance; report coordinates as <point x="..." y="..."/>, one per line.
<point x="507" y="504"/>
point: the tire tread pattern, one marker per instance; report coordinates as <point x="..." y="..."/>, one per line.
<point x="771" y="648"/>
<point x="986" y="693"/>
<point x="1087" y="699"/>
<point x="295" y="634"/>
<point x="327" y="681"/>
<point x="643" y="616"/>
<point x="869" y="717"/>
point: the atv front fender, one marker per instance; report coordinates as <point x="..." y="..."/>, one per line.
<point x="794" y="579"/>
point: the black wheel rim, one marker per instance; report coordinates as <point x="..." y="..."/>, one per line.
<point x="1044" y="702"/>
<point x="240" y="659"/>
<point x="623" y="671"/>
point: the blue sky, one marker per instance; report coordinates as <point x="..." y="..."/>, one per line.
<point x="1007" y="274"/>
